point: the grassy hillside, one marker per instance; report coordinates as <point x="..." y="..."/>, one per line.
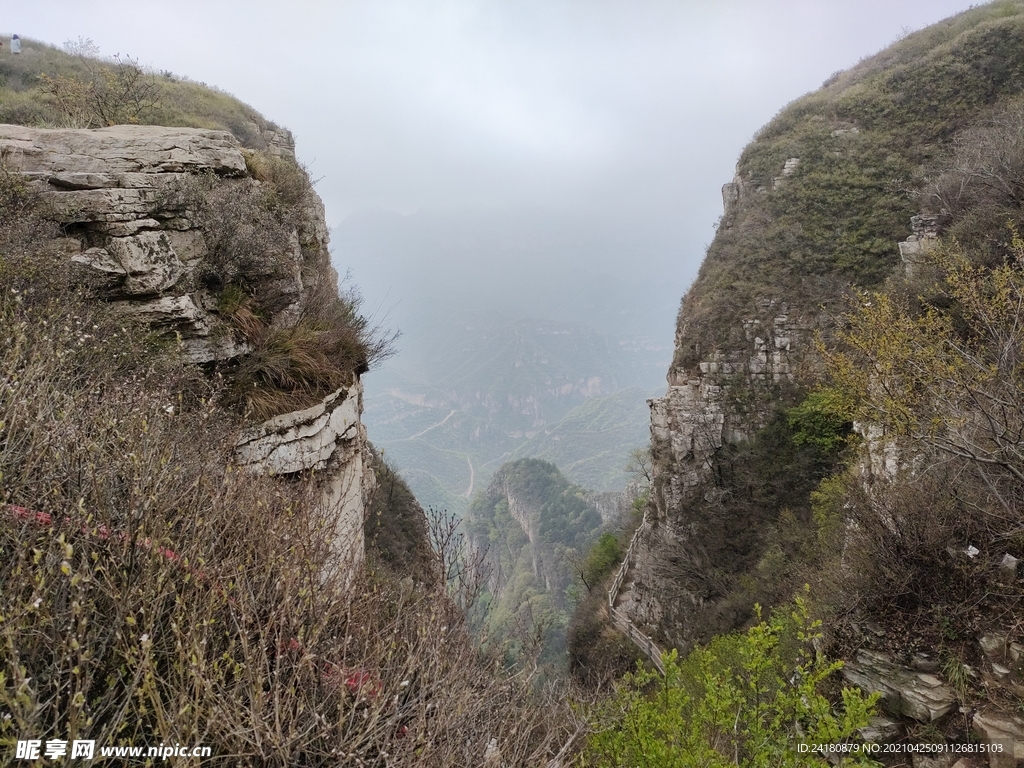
<point x="888" y="477"/>
<point x="824" y="193"/>
<point x="867" y="143"/>
<point x="888" y="473"/>
<point x="71" y="87"/>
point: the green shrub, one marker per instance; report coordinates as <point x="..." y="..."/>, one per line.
<point x="824" y="419"/>
<point x="748" y="699"/>
<point x="601" y="560"/>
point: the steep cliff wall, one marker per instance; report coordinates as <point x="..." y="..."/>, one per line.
<point x="131" y="201"/>
<point x="820" y="202"/>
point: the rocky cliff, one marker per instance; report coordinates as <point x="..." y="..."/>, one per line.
<point x="821" y="201"/>
<point x="140" y="233"/>
<point x="533" y="526"/>
<point x="757" y="485"/>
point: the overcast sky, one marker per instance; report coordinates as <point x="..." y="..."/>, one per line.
<point x="632" y="111"/>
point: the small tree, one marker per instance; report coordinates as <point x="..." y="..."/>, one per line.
<point x="462" y="567"/>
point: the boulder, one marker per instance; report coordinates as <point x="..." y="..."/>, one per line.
<point x="177" y="313"/>
<point x="1004" y="661"/>
<point x="905" y="692"/>
<point x="209" y="349"/>
<point x="995" y="727"/>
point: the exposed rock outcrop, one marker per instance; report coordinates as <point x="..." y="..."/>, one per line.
<point x="113" y="190"/>
<point x="905" y="692"/>
<point x="328" y="442"/>
<point x="726" y="397"/>
<point x="925" y="236"/>
<point x="1003" y="731"/>
<point x="140" y="247"/>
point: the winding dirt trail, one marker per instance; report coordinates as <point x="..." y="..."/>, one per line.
<point x="432" y="426"/>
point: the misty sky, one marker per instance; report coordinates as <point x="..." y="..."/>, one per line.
<point x="620" y="119"/>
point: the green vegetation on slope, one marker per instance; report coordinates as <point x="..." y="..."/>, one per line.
<point x="943" y="386"/>
<point x="51" y="87"/>
<point x="745" y="699"/>
<point x="912" y="526"/>
<point x="865" y="142"/>
<point x="534" y="525"/>
<point x="874" y="146"/>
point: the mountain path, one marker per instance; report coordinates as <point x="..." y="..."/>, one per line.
<point x="620" y="599"/>
<point x="472" y="476"/>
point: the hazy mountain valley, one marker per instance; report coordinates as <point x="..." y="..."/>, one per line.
<point x="237" y="511"/>
<point x="510" y="341"/>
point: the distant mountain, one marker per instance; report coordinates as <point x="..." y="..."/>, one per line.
<point x="589" y="445"/>
<point x="509" y="322"/>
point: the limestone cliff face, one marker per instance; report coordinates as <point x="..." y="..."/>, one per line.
<point x="726" y="397"/>
<point x="529" y="519"/>
<point x="112" y="189"/>
<point x="137" y="246"/>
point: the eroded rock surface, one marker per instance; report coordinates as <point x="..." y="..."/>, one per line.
<point x="688" y="426"/>
<point x="326" y="443"/>
<point x="113" y="189"/>
<point x="905" y="692"/>
<point x="134" y="243"/>
<point x="1006" y="730"/>
<point x="98" y="158"/>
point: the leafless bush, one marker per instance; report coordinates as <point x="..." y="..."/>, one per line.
<point x="21" y="212"/>
<point x="462" y="567"/>
<point x="980" y="188"/>
<point x="249" y="238"/>
<point x="106" y="93"/>
<point x="154" y="593"/>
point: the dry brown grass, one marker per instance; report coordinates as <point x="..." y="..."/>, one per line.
<point x="161" y="595"/>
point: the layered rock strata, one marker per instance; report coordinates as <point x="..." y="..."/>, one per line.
<point x="327" y="442"/>
<point x="725" y="398"/>
<point x="139" y="248"/>
<point x="114" y="191"/>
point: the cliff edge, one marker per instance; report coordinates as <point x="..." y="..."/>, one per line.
<point x="223" y="253"/>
